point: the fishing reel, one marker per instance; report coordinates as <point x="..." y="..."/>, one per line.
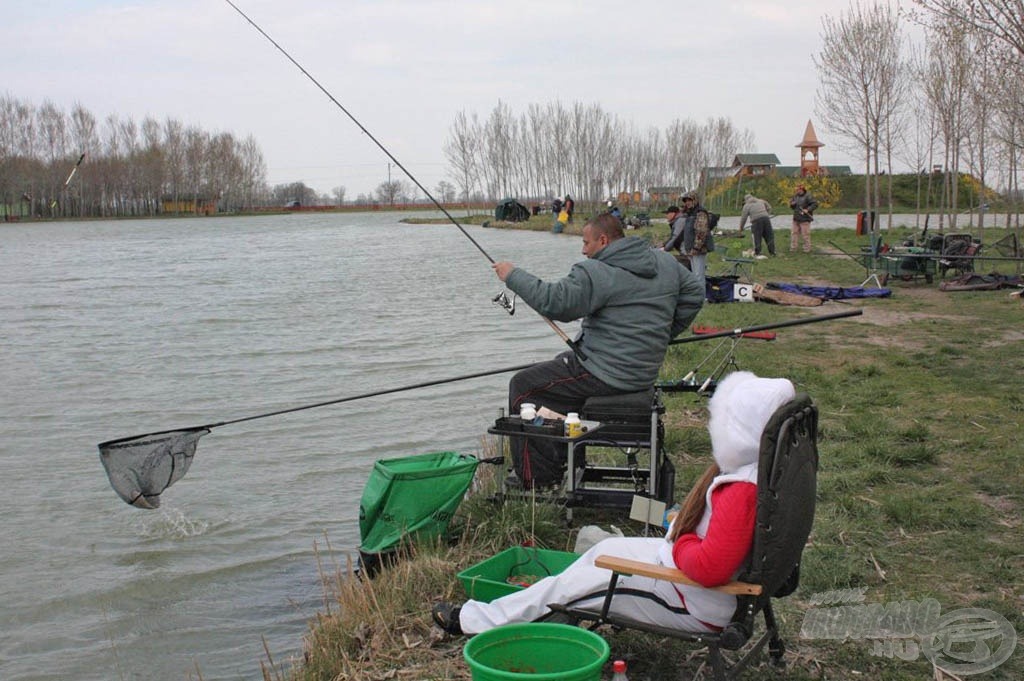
<point x="502" y="300"/>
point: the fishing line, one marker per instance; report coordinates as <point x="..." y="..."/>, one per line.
<point x="510" y="310"/>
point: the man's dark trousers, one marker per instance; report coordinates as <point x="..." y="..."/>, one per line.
<point x="562" y="385"/>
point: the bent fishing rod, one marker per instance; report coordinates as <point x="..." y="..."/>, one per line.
<point x="497" y="299"/>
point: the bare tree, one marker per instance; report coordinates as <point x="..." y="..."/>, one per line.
<point x="254" y="172"/>
<point x="53" y="132"/>
<point x="917" y="137"/>
<point x="461" y="150"/>
<point x="950" y="66"/>
<point x="174" y="159"/>
<point x="857" y="90"/>
<point x="338" y="194"/>
<point x="389" y="191"/>
<point x="999" y="19"/>
<point x="445" y="191"/>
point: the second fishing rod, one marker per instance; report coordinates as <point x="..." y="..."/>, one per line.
<point x="500" y="297"/>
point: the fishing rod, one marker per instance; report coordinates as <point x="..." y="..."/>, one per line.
<point x="141" y="467"/>
<point x="500" y="298"/>
<point x="732" y="337"/>
<point x="920" y="256"/>
<point x="68" y="181"/>
<point x="765" y="327"/>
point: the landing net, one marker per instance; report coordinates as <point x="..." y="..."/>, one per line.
<point x="141" y="467"/>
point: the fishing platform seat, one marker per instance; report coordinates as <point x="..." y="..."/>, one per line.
<point x="631" y="423"/>
<point x="786" y="488"/>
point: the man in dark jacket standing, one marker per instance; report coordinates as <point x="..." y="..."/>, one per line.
<point x="695" y="240"/>
<point x="803" y="205"/>
<point x="633" y="300"/>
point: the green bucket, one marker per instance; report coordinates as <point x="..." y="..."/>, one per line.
<point x="536" y="652"/>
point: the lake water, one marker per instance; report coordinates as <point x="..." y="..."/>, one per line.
<point x="111" y="329"/>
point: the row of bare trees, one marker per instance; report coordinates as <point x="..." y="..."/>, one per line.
<point x="580" y="149"/>
<point x="133" y="168"/>
<point x="951" y="101"/>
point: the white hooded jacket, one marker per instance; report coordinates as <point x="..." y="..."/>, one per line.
<point x="739" y="410"/>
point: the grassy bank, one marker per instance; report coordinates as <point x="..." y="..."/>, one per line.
<point x="920" y="489"/>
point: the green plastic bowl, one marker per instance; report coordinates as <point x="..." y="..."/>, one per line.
<point x="536" y="651"/>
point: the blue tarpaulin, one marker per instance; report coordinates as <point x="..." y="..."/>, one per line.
<point x="831" y="292"/>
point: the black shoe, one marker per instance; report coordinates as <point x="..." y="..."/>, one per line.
<point x="446" y="616"/>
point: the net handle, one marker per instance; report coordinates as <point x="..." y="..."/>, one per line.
<point x="351" y="398"/>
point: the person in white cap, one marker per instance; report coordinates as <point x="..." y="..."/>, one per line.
<point x="708" y="540"/>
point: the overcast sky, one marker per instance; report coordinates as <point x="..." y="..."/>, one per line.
<point x="404" y="68"/>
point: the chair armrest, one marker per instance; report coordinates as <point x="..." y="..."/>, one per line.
<point x="626" y="566"/>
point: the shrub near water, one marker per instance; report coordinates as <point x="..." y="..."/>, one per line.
<point x="920" y="485"/>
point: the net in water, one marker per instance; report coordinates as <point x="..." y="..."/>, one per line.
<point x="141" y="467"/>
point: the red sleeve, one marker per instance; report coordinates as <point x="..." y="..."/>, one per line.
<point x="713" y="561"/>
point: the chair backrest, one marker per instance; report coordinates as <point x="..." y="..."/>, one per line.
<point x="786" y="490"/>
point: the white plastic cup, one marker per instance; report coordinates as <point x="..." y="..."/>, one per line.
<point x="527" y="411"/>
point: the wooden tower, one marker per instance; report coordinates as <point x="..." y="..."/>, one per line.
<point x="809" y="146"/>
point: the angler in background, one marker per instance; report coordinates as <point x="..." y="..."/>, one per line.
<point x="676" y="222"/>
<point x="569" y="206"/>
<point x="759" y="211"/>
<point x="803" y="205"/>
<point x="695" y="241"/>
<point x="632" y="299"/>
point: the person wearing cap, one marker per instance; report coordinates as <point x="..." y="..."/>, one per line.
<point x="697" y="240"/>
<point x="676" y="222"/>
<point x="803" y="205"/>
<point x="759" y="211"/>
<point x="709" y="538"/>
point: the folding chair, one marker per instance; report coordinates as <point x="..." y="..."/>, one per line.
<point x="787" y="482"/>
<point x="741" y="268"/>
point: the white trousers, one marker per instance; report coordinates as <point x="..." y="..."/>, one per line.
<point x="584" y="585"/>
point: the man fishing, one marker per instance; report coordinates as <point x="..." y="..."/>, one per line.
<point x="633" y="300"/>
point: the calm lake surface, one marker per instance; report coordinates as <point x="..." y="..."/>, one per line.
<point x="111" y="329"/>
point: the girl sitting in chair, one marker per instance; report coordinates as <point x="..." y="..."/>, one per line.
<point x="708" y="540"/>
